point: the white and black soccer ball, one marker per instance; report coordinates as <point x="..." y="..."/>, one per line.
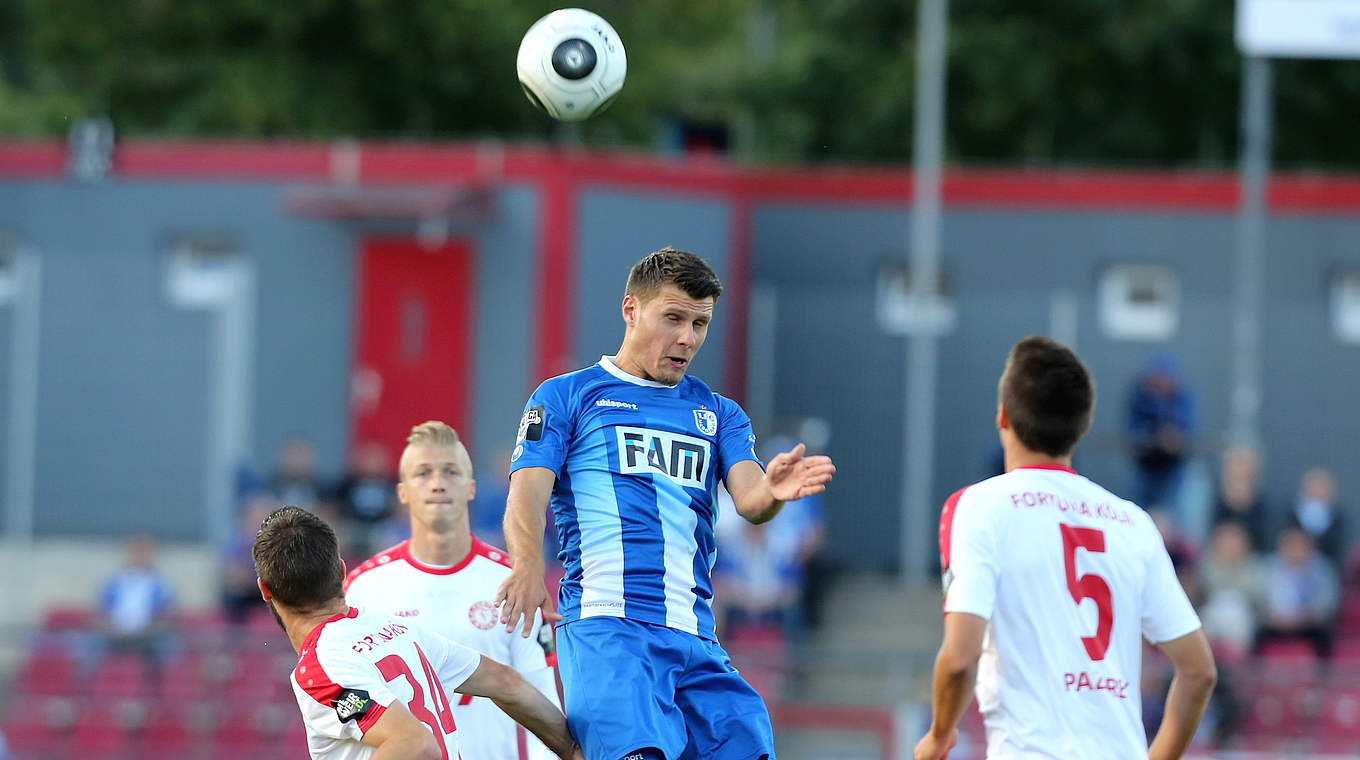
<point x="571" y="64"/>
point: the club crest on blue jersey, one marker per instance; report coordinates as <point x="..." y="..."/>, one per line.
<point x="706" y="421"/>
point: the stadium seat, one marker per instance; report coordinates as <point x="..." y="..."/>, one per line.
<point x="47" y="674"/>
<point x="38" y="728"/>
<point x="108" y="728"/>
<point x="68" y="619"/>
<point x="1348" y="621"/>
<point x="121" y="675"/>
<point x="1282" y="711"/>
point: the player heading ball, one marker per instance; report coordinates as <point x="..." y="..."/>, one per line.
<point x="629" y="453"/>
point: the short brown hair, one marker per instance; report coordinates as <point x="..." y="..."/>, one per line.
<point x="298" y="559"/>
<point x="680" y="268"/>
<point x="1048" y="395"/>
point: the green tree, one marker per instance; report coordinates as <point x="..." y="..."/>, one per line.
<point x="1152" y="82"/>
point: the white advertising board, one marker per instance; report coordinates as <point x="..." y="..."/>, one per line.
<point x="1299" y="28"/>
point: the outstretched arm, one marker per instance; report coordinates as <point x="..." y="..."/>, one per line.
<point x="759" y="495"/>
<point x="1191" y="687"/>
<point x="524" y="591"/>
<point x="520" y="700"/>
<point x="955" y="672"/>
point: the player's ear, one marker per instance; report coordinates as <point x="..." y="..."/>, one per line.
<point x="629" y="309"/>
<point x="401" y="493"/>
<point x="344" y="569"/>
<point x="1003" y="420"/>
<point x="472" y="489"/>
<point x="264" y="592"/>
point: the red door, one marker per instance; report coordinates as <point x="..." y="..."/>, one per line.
<point x="414" y="334"/>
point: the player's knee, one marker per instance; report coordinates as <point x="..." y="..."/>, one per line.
<point x="649" y="753"/>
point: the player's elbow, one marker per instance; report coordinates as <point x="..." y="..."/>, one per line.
<point x="428" y="750"/>
<point x="952" y="663"/>
<point x="1201" y="677"/>
<point x="502" y="682"/>
<point x="416" y="744"/>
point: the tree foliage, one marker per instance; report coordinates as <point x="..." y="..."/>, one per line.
<point x="1151" y="82"/>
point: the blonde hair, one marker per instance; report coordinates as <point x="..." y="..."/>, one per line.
<point x="436" y="435"/>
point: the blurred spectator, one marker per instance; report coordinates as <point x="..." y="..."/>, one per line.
<point x="1182" y="550"/>
<point x="240" y="595"/>
<point x="395" y="529"/>
<point x="1301" y="593"/>
<point x="1239" y="498"/>
<point x="763" y="571"/>
<point x="136" y="603"/>
<point x="1316" y="513"/>
<point x="1233" y="590"/>
<point x="366" y="497"/>
<point x="295" y="481"/>
<point x="1160" y="426"/>
<point x="757" y="577"/>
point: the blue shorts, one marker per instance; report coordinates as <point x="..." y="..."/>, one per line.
<point x="630" y="685"/>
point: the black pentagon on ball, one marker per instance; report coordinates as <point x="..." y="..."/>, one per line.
<point x="574" y="59"/>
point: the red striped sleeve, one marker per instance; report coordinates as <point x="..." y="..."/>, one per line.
<point x="490" y="552"/>
<point x="947" y="526"/>
<point x="313" y="679"/>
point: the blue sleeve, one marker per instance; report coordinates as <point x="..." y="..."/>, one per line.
<point x="545" y="430"/>
<point x="736" y="440"/>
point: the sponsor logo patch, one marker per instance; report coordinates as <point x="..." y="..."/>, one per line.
<point x="706" y="421"/>
<point x="612" y="404"/>
<point x="682" y="458"/>
<point x="352" y="704"/>
<point x="531" y="424"/>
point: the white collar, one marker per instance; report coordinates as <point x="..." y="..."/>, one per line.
<point x="609" y="366"/>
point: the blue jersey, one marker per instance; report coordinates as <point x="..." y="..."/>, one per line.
<point x="638" y="465"/>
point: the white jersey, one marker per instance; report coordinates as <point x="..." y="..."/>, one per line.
<point x="457" y="602"/>
<point x="352" y="667"/>
<point x="1070" y="579"/>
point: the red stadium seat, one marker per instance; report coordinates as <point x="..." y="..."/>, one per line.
<point x="47" y="674"/>
<point x="68" y="619"/>
<point x="1281" y="710"/>
<point x="121" y="675"/>
<point x="1288" y="652"/>
<point x="38" y="728"/>
<point x="107" y="729"/>
<point x="1349" y="619"/>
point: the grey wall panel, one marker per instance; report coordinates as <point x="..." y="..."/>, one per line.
<point x="1309" y="377"/>
<point x="617" y="229"/>
<point x="123" y="377"/>
<point x="833" y="361"/>
<point x="507" y="251"/>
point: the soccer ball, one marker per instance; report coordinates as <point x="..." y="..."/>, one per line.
<point x="571" y="64"/>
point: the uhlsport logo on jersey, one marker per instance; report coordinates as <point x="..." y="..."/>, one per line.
<point x="706" y="421"/>
<point x="682" y="458"/>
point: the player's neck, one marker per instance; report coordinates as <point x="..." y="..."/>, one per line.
<point x="1019" y="456"/>
<point x="299" y="625"/>
<point x="441" y="549"/>
<point x="624" y="360"/>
